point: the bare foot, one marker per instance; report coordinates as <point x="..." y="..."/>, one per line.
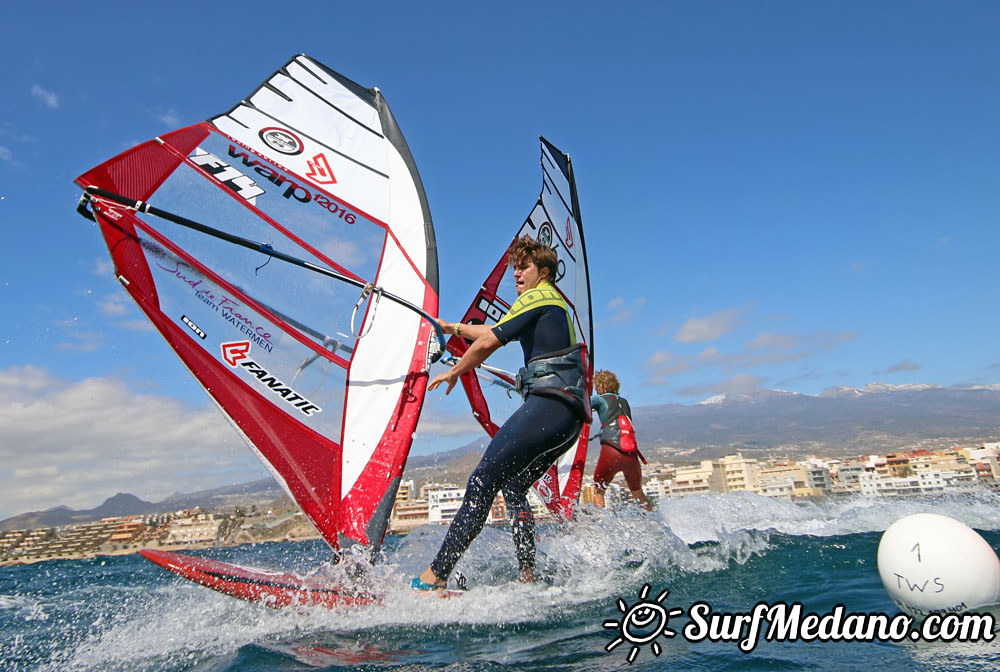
<point x="430" y="578"/>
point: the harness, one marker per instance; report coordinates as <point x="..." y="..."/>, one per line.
<point x="617" y="432"/>
<point x="561" y="374"/>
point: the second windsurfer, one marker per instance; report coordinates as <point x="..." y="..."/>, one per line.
<point x="547" y="423"/>
<point x="619" y="452"/>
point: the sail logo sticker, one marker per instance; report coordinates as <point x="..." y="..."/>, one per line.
<point x="294" y="190"/>
<point x="543" y="487"/>
<point x="230" y="177"/>
<point x="281" y="140"/>
<point x="491" y="309"/>
<point x="548" y="236"/>
<point x="233" y="352"/>
<point x="320" y="171"/>
<point x="237" y="355"/>
<point x="545" y="234"/>
<point x="111" y="213"/>
<point x="193" y="327"/>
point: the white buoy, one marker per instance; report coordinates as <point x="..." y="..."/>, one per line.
<point x="934" y="564"/>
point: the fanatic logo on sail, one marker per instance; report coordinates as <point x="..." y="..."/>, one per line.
<point x="237" y="355"/>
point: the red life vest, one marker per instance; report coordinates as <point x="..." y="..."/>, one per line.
<point x="618" y="431"/>
<point x="627" y="445"/>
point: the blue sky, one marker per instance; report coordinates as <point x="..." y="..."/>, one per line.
<point x="776" y="195"/>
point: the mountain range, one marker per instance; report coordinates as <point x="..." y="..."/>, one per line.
<point x="840" y="422"/>
<point x="124" y="504"/>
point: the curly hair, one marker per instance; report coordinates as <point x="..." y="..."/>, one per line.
<point x="525" y="250"/>
<point x="607" y="381"/>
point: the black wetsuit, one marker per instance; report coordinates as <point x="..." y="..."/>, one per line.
<point x="531" y="440"/>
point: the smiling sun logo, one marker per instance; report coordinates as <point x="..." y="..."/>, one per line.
<point x="643" y="623"/>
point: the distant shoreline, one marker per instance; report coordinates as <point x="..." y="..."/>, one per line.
<point x="196" y="546"/>
<point x="298" y="534"/>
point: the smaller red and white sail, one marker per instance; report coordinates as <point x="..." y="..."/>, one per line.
<point x="555" y="221"/>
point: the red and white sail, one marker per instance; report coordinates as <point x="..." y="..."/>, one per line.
<point x="554" y="220"/>
<point x="314" y="166"/>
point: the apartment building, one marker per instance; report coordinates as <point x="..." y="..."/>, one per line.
<point x="738" y="473"/>
<point x="200" y="528"/>
<point x="443" y="503"/>
<point x="780" y="479"/>
<point x="409" y="514"/>
<point x="695" y="479"/>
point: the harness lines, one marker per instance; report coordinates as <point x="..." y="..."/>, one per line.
<point x="560" y="374"/>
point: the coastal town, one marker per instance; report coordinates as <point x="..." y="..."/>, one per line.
<point x="906" y="473"/>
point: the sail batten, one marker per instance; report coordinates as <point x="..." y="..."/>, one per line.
<point x="247" y="115"/>
<point x="376" y="132"/>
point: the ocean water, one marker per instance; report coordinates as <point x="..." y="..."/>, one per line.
<point x="730" y="551"/>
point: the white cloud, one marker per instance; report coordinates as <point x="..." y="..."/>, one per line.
<point x="436" y="423"/>
<point x="138" y="324"/>
<point x="903" y="366"/>
<point x="708" y="355"/>
<point x="742" y="383"/>
<point x="118" y="304"/>
<point x="623" y="311"/>
<point x="48" y="98"/>
<point x="767" y="349"/>
<point x="78" y="443"/>
<point x="83" y="341"/>
<point x="710" y="328"/>
<point x="807" y="375"/>
<point x="115" y="305"/>
<point x="103" y="267"/>
<point x="660" y="357"/>
<point x="168" y="118"/>
<point x="778" y="348"/>
<point x="6" y="154"/>
<point x="663" y="365"/>
<point x="773" y="340"/>
<point x="76" y="338"/>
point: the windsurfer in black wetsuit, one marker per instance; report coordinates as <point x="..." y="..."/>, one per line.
<point x="546" y="425"/>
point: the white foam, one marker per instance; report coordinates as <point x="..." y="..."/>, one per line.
<point x="709" y="517"/>
<point x="598" y="557"/>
